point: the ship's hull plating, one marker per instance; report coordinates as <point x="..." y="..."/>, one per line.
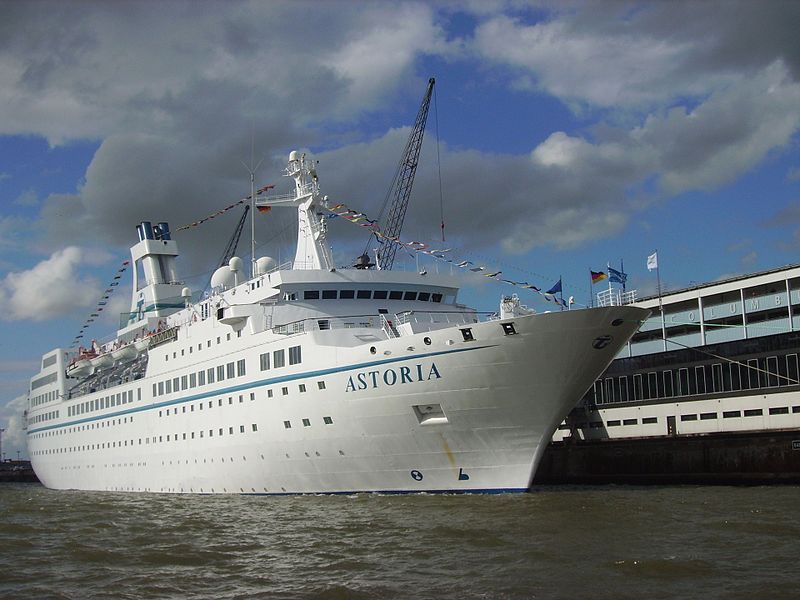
<point x="419" y="413"/>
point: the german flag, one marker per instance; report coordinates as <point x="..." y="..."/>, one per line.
<point x="598" y="277"/>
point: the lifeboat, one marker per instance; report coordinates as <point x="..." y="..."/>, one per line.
<point x="141" y="345"/>
<point x="80" y="368"/>
<point x="124" y="353"/>
<point x="102" y="361"/>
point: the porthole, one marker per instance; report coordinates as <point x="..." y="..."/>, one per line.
<point x="372" y="350"/>
<point x="427" y="341"/>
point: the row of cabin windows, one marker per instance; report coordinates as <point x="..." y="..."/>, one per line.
<point x="200" y="345"/>
<point x="752" y="374"/>
<point x="176" y="437"/>
<point x="42" y="398"/>
<point x="202" y="377"/>
<point x="97" y="425"/>
<point x="48" y="416"/>
<point x="102" y="403"/>
<point x="279" y="358"/>
<point x="370" y="295"/>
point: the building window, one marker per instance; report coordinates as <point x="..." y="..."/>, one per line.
<point x="230" y="369"/>
<point x="287" y="424"/>
<point x="240" y="368"/>
<point x="220" y="372"/>
<point x="321" y="385"/>
<point x="285" y="391"/>
<point x="306" y="423"/>
<point x="278" y="359"/>
<point x="210" y="375"/>
<point x="192" y="380"/>
<point x="302" y="387"/>
<point x="327" y="420"/>
<point x="264" y="361"/>
<point x="201" y="378"/>
<point x="466" y="333"/>
<point x="269" y="393"/>
<point x="255" y="427"/>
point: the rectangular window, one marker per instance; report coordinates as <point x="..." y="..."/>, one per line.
<point x="221" y="373"/>
<point x="649" y="420"/>
<point x="230" y="369"/>
<point x="184" y="382"/>
<point x="772" y="367"/>
<point x="311" y="295"/>
<point x="347" y="294"/>
<point x="364" y="294"/>
<point x="688" y="417"/>
<point x="779" y="410"/>
<point x="240" y="368"/>
<point x="285" y="391"/>
<point x="791" y="369"/>
<point x="306" y="423"/>
<point x="321" y="385"/>
<point x="638" y="387"/>
<point x="329" y="294"/>
<point x="623" y="388"/>
<point x="700" y="379"/>
<point x="683" y="382"/>
<point x="380" y="295"/>
<point x="652" y="385"/>
<point x="160" y="388"/>
<point x="735" y="380"/>
<point x="395" y="295"/>
<point x="327" y="420"/>
<point x="176" y="384"/>
<point x="255" y="427"/>
<point x="410" y="296"/>
<point x="241" y="428"/>
<point x="436" y="297"/>
<point x="210" y="375"/>
<point x="731" y="414"/>
<point x="278" y="359"/>
<point x="708" y="416"/>
<point x="609" y="390"/>
<point x="155" y="392"/>
<point x="752" y="373"/>
<point x="667" y="384"/>
<point x="424" y="296"/>
<point x="753" y="412"/>
<point x="294" y="355"/>
<point x="287" y="424"/>
<point x="629" y="421"/>
<point x="168" y="386"/>
<point x="192" y="380"/>
<point x="716" y="370"/>
<point x="302" y="387"/>
<point x="615" y="423"/>
<point x="201" y="378"/>
<point x="264" y="361"/>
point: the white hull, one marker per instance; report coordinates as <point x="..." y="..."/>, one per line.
<point x="485" y="409"/>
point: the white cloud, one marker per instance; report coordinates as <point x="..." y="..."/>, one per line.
<point x="27" y="198"/>
<point x="52" y="288"/>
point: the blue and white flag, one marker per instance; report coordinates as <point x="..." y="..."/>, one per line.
<point x="615" y="276"/>
<point x="555" y="289"/>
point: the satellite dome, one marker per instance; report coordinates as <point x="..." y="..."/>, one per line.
<point x="186" y="293"/>
<point x="222" y="277"/>
<point x="294" y="155"/>
<point x="265" y="264"/>
<point x="236" y="264"/>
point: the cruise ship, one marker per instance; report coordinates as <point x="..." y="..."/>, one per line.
<point x="311" y="378"/>
<point x="707" y="390"/>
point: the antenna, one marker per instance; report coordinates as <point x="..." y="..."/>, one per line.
<point x="252" y="171"/>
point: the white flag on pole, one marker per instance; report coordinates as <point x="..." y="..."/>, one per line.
<point x="652" y="261"/>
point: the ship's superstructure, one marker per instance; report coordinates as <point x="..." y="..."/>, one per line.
<point x="310" y="378"/>
<point x="720" y="358"/>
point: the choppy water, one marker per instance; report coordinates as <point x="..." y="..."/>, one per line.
<point x="559" y="542"/>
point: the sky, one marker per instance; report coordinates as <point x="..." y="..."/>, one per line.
<point x="563" y="136"/>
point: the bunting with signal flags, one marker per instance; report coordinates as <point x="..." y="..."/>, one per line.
<point x="261" y="209"/>
<point x="362" y="220"/>
<point x="101" y="303"/>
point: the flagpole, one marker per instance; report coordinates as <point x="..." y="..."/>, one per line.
<point x="591" y="290"/>
<point x="660" y="304"/>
